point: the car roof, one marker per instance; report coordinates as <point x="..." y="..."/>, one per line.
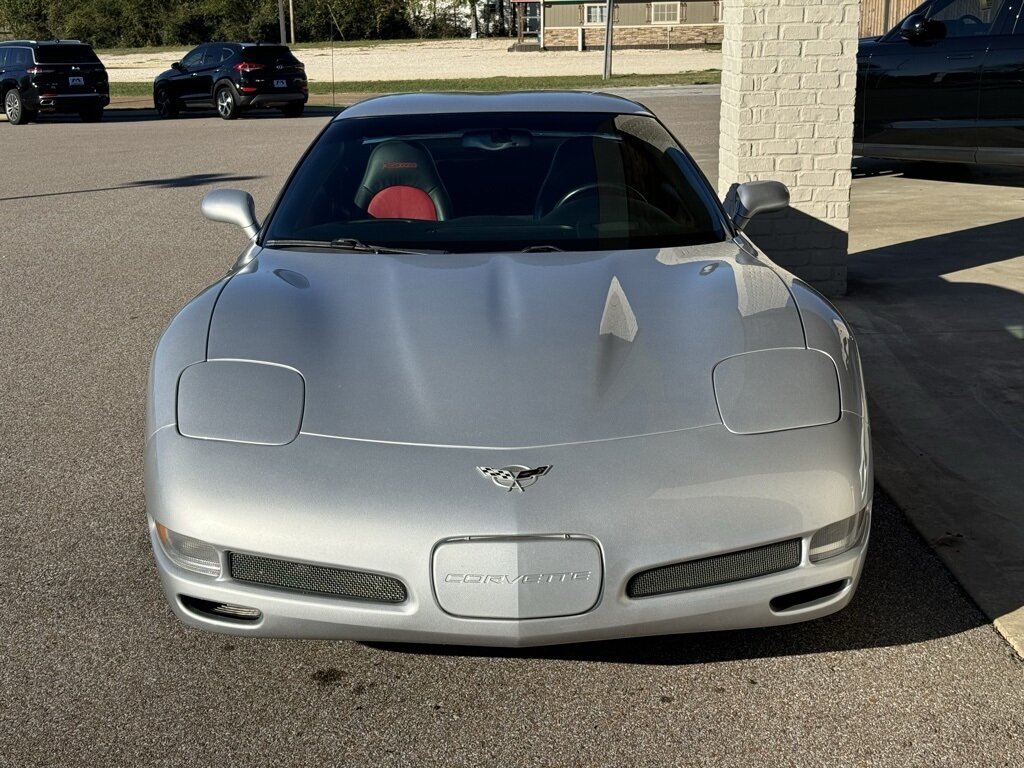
<point x="257" y="44"/>
<point x="520" y="101"/>
<point x="43" y="42"/>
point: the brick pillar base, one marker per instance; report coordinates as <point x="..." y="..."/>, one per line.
<point x="788" y="80"/>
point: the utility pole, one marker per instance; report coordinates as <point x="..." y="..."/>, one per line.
<point x="280" y="19"/>
<point x="291" y="18"/>
<point x="608" y="41"/>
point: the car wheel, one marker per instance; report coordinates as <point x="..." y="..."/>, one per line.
<point x="14" y="108"/>
<point x="166" y="107"/>
<point x="227" y="107"/>
<point x="295" y="109"/>
<point x="93" y="115"/>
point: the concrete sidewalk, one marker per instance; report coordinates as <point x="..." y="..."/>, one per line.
<point x="936" y="295"/>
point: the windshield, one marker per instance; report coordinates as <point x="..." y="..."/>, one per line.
<point x="65" y="54"/>
<point x="472" y="183"/>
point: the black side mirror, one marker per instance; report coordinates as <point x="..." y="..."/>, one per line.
<point x="744" y="201"/>
<point x="916" y="28"/>
<point x="177" y="66"/>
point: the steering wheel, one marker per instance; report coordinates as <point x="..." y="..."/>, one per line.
<point x="597" y="188"/>
<point x="971" y="18"/>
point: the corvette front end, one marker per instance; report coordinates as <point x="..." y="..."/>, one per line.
<point x="579" y="410"/>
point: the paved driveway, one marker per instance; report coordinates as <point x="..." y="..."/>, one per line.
<point x="101" y="242"/>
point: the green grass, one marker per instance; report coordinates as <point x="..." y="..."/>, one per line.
<point x="560" y="82"/>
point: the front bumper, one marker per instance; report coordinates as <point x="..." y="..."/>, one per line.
<point x="661" y="499"/>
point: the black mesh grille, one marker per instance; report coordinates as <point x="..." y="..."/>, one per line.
<point x="720" y="569"/>
<point x="317" y="579"/>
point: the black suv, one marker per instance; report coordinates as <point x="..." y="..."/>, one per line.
<point x="232" y="77"/>
<point x="51" y="76"/>
<point x="945" y="85"/>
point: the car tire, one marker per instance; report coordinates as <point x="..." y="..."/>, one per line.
<point x="295" y="109"/>
<point x="165" y="105"/>
<point x="227" y="104"/>
<point x="14" y="108"/>
<point x="93" y="115"/>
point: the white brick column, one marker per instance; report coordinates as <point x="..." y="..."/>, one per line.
<point x="788" y="81"/>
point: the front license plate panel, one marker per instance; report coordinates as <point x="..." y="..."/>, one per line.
<point x="518" y="577"/>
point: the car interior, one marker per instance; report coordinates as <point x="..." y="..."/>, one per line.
<point x="484" y="186"/>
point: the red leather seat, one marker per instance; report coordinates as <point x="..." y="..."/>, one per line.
<point x="402" y="182"/>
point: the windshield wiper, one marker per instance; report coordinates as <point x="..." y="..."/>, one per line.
<point x="543" y="249"/>
<point x="342" y="244"/>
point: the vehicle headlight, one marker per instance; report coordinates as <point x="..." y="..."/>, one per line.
<point x="776" y="389"/>
<point x="838" y="537"/>
<point x="241" y="402"/>
<point x="191" y="554"/>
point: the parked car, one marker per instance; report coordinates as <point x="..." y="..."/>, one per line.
<point x="946" y="84"/>
<point x="51" y="76"/>
<point x="232" y="77"/>
<point x="501" y="370"/>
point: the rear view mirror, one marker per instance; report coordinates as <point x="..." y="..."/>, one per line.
<point x="744" y="201"/>
<point x="232" y="206"/>
<point x="177" y="65"/>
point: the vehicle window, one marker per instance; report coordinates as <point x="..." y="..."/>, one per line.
<point x="66" y="54"/>
<point x="194" y="58"/>
<point x="19" y="57"/>
<point x="964" y="18"/>
<point x="499" y="182"/>
<point x="3" y="56"/>
<point x="226" y="53"/>
<point x="269" y="54"/>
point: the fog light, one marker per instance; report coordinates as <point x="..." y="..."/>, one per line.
<point x="837" y="538"/>
<point x="191" y="554"/>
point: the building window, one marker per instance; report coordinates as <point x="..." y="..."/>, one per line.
<point x="596" y="14"/>
<point x="665" y="13"/>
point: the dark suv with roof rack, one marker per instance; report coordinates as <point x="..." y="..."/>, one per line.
<point x="51" y="76"/>
<point x="232" y="77"/>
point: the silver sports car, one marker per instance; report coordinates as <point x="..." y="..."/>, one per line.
<point x="502" y="370"/>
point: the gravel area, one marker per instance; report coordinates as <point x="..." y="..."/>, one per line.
<point x="444" y="59"/>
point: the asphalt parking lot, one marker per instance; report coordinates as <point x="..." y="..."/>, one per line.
<point x="101" y="242"/>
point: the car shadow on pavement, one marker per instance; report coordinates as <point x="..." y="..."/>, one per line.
<point x="172" y="182"/>
<point x="940" y="325"/>
<point x="905" y="596"/>
<point x="960" y="173"/>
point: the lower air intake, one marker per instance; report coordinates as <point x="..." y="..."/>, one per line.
<point x="720" y="569"/>
<point x="316" y="579"/>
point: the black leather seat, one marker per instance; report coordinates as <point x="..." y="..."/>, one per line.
<point x="402" y="182"/>
<point x="572" y="167"/>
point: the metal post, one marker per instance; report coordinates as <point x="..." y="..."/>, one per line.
<point x="291" y="18"/>
<point x="608" y="41"/>
<point x="280" y="19"/>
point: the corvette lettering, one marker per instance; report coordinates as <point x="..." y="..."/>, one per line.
<point x="525" y="578"/>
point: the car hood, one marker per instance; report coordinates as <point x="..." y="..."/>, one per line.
<point x="504" y="350"/>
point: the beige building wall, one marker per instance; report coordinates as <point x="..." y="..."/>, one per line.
<point x="698" y="23"/>
<point x="788" y="83"/>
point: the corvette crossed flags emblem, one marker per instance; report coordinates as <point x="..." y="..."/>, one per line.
<point x="515" y="477"/>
